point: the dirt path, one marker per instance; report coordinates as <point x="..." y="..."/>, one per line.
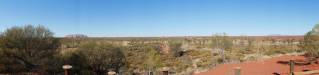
<point x="272" y="66"/>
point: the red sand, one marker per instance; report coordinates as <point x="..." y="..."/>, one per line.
<point x="263" y="67"/>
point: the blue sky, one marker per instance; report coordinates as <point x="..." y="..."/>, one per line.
<point x="163" y="17"/>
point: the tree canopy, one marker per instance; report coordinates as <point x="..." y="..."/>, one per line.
<point x="28" y="46"/>
<point x="101" y="57"/>
<point x="311" y="42"/>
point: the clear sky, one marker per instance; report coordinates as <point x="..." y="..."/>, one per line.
<point x="163" y="17"/>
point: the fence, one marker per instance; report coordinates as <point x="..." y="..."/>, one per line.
<point x="238" y="71"/>
<point x="234" y="71"/>
<point x="109" y="73"/>
<point x="307" y="72"/>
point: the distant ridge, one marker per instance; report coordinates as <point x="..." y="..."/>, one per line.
<point x="82" y="35"/>
<point x="76" y="36"/>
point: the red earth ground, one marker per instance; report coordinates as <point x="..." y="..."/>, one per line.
<point x="271" y="66"/>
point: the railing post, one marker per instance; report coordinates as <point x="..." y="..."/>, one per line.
<point x="291" y="65"/>
<point x="66" y="69"/>
<point x="111" y="73"/>
<point x="237" y="70"/>
<point x="66" y="72"/>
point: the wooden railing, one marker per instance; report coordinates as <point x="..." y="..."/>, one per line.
<point x="307" y="72"/>
<point x="237" y="70"/>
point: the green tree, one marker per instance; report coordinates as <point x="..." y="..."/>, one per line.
<point x="153" y="60"/>
<point x="311" y="43"/>
<point x="29" y="47"/>
<point x="101" y="57"/>
<point x="222" y="43"/>
<point x="203" y="57"/>
<point x="175" y="48"/>
<point x="141" y="58"/>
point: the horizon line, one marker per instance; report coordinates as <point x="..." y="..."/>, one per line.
<point x="178" y="36"/>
